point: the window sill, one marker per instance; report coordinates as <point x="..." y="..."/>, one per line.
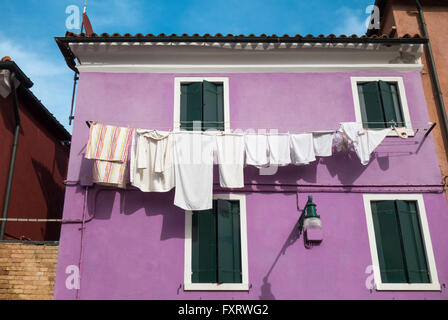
<point x="216" y="287"/>
<point x="408" y="287"/>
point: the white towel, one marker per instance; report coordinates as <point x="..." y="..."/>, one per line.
<point x="193" y="161"/>
<point x="364" y="141"/>
<point x="279" y="149"/>
<point x="230" y="149"/>
<point x="152" y="167"/>
<point x="302" y="148"/>
<point x="323" y="143"/>
<point x="257" y="150"/>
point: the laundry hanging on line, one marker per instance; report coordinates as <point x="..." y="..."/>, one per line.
<point x="364" y="141"/>
<point x="257" y="150"/>
<point x="279" y="149"/>
<point x="163" y="160"/>
<point x="152" y="167"/>
<point x="302" y="148"/>
<point x="323" y="143"/>
<point x="108" y="147"/>
<point x="230" y="151"/>
<point x="193" y="162"/>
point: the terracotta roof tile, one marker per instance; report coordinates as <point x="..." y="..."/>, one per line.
<point x="185" y="36"/>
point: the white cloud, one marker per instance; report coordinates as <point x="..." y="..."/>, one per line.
<point x="350" y="22"/>
<point x="51" y="77"/>
<point x="29" y="61"/>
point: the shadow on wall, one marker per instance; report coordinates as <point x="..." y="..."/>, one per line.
<point x="53" y="194"/>
<point x="343" y="165"/>
<point x="346" y="166"/>
<point x="266" y="287"/>
<point x="133" y="200"/>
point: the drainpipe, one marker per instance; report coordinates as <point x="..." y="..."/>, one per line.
<point x="432" y="65"/>
<point x="13" y="155"/>
<point x="75" y="79"/>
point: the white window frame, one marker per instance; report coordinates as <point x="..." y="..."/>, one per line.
<point x="244" y="285"/>
<point x="379" y="285"/>
<point x="402" y="95"/>
<point x="177" y="92"/>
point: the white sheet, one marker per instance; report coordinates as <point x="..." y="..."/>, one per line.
<point x="193" y="162"/>
<point x="302" y="148"/>
<point x="323" y="143"/>
<point x="230" y="150"/>
<point x="365" y="141"/>
<point x="257" y="150"/>
<point x="279" y="149"/>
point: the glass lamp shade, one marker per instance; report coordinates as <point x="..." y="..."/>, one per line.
<point x="312" y="223"/>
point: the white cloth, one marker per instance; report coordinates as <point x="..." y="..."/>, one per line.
<point x="364" y="141"/>
<point x="402" y="132"/>
<point x="230" y="150"/>
<point x="323" y="143"/>
<point x="279" y="149"/>
<point x="257" y="150"/>
<point x="152" y="167"/>
<point x="302" y="148"/>
<point x="193" y="162"/>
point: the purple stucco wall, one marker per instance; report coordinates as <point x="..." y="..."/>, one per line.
<point x="134" y="245"/>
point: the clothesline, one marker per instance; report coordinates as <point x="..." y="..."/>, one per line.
<point x="429" y="125"/>
<point x="163" y="160"/>
<point x="266" y="121"/>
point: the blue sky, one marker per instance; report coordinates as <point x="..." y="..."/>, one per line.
<point x="27" y="29"/>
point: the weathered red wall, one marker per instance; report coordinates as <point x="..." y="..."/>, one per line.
<point x="403" y="15"/>
<point x="40" y="169"/>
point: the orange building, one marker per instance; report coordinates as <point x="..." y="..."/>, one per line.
<point x="429" y="18"/>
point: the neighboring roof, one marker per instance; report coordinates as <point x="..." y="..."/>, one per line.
<point x="70" y="37"/>
<point x="13" y="67"/>
<point x="381" y="4"/>
<point x="25" y="84"/>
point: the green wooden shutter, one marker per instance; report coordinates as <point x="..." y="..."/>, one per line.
<point x="388" y="242"/>
<point x="413" y="245"/>
<point x="390" y="100"/>
<point x="203" y="263"/>
<point x="190" y="105"/>
<point x="229" y="242"/>
<point x="213" y="111"/>
<point x="372" y="104"/>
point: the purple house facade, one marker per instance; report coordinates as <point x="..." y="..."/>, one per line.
<point x="128" y="244"/>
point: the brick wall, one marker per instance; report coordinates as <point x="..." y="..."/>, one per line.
<point x="27" y="271"/>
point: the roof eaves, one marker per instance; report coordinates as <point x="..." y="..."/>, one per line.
<point x="24" y="88"/>
<point x="70" y="37"/>
<point x="20" y="75"/>
<point x="64" y="134"/>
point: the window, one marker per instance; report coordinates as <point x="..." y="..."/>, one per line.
<point x="216" y="246"/>
<point x="380" y="102"/>
<point x="400" y="244"/>
<point x="201" y="104"/>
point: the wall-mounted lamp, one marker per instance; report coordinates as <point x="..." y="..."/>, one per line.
<point x="310" y="224"/>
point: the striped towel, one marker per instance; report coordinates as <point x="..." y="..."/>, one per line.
<point x="108" y="143"/>
<point x="108" y="146"/>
